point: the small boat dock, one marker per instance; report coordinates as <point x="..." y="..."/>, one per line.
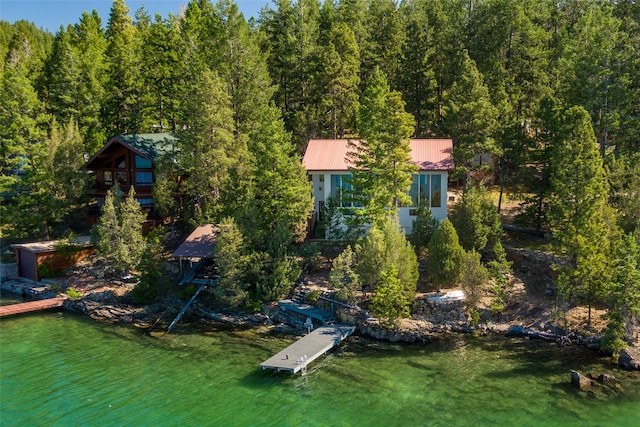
<point x="28" y="307"/>
<point x="298" y="355"/>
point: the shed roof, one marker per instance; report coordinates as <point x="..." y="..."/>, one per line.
<point x="148" y="145"/>
<point x="50" y="245"/>
<point x="331" y="154"/>
<point x="199" y="244"/>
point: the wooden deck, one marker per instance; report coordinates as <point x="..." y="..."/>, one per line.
<point x="298" y="355"/>
<point x="27" y="307"/>
<point x="307" y="310"/>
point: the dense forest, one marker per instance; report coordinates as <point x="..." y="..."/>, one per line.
<point x="541" y="99"/>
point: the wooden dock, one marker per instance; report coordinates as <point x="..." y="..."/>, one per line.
<point x="298" y="355"/>
<point x="27" y="307"/>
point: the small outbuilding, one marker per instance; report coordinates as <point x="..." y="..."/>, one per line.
<point x="198" y="246"/>
<point x="38" y="260"/>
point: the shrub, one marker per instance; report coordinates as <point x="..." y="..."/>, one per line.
<point x="313" y="295"/>
<point x="390" y="303"/>
<point x="445" y="256"/>
<point x="73" y="293"/>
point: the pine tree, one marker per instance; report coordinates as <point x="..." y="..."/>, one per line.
<point x="390" y="303"/>
<point x="382" y="172"/>
<point x="343" y="276"/>
<point x="281" y="192"/>
<point x="385" y="245"/>
<point x="471" y="117"/>
<point x="161" y="67"/>
<point x="477" y="221"/>
<point x="580" y="218"/>
<point x="416" y="78"/>
<point x="90" y="45"/>
<point x="231" y="260"/>
<point x="423" y="227"/>
<point x="118" y="233"/>
<point x="623" y="294"/>
<point x="63" y="77"/>
<point x="445" y="256"/>
<point x="207" y="150"/>
<point x="382" y="47"/>
<point x="339" y="78"/>
<point x="121" y="106"/>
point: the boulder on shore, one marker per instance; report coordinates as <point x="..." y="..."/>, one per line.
<point x="630" y="358"/>
<point x="581" y="381"/>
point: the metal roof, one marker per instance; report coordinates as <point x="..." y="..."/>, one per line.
<point x="199" y="244"/>
<point x="331" y="154"/>
<point x="148" y="145"/>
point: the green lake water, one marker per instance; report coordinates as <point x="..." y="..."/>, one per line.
<point x="58" y="369"/>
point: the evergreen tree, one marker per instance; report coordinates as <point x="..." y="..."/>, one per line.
<point x="424" y="226"/>
<point x="589" y="68"/>
<point x="580" y="218"/>
<point x="474" y="276"/>
<point x="63" y="78"/>
<point x="118" y="233"/>
<point x="244" y="68"/>
<point x="280" y="194"/>
<point x="390" y="302"/>
<point x="471" y="117"/>
<point x="291" y="39"/>
<point x="154" y="282"/>
<point x="231" y="259"/>
<point x="477" y="221"/>
<point x="340" y="79"/>
<point x="343" y="276"/>
<point x="160" y="69"/>
<point x="207" y="150"/>
<point x="416" y="78"/>
<point x="445" y="256"/>
<point x="386" y="245"/>
<point x="121" y="107"/>
<point x="382" y="47"/>
<point x="382" y="171"/>
<point x="624" y="179"/>
<point x="90" y="44"/>
<point x="22" y="135"/>
<point x="623" y="294"/>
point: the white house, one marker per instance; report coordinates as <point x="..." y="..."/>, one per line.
<point x="327" y="165"/>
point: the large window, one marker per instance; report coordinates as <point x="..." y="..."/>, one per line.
<point x="144" y="178"/>
<point x="142" y="163"/>
<point x="340" y="189"/>
<point x="419" y="189"/>
<point x="426" y="187"/>
<point x="436" y="190"/>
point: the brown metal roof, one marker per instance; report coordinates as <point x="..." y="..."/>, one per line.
<point x="199" y="244"/>
<point x="331" y="154"/>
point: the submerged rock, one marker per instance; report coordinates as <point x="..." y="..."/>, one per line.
<point x="630" y="358"/>
<point x="581" y="381"/>
<point x="607" y="378"/>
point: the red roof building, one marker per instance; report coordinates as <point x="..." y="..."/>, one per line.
<point x="327" y="164"/>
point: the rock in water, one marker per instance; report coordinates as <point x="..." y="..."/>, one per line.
<point x="630" y="358"/>
<point x="581" y="381"/>
<point x="607" y="378"/>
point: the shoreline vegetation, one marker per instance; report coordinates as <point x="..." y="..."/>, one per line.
<point x="108" y="300"/>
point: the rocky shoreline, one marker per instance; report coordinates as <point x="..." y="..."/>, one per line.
<point x="432" y="322"/>
<point x="157" y="316"/>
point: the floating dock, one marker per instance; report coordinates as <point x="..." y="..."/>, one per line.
<point x="298" y="355"/>
<point x="28" y="307"/>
